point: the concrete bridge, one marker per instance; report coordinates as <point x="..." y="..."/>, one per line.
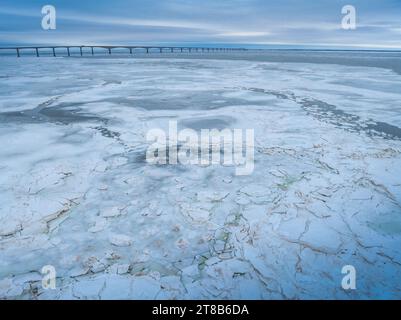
<point x="108" y="49"/>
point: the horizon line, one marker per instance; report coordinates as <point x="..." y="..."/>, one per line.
<point x="211" y="46"/>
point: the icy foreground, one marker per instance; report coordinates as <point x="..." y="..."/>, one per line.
<point x="76" y="192"/>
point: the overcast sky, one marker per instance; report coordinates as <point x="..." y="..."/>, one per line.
<point x="198" y="22"/>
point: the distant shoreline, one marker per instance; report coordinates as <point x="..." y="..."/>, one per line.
<point x="390" y="60"/>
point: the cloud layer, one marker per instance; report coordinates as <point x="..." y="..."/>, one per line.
<point x="249" y="23"/>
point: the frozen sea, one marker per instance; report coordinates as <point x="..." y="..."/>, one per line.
<point x="77" y="194"/>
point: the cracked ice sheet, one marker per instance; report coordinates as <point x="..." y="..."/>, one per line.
<point x="76" y="192"/>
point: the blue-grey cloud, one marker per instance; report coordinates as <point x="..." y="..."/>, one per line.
<point x="245" y="22"/>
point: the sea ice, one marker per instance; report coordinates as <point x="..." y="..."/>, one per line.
<point x="77" y="193"/>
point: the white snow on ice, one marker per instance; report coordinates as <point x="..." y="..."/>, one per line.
<point x="76" y="192"/>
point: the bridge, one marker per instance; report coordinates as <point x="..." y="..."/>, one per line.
<point x="108" y="49"/>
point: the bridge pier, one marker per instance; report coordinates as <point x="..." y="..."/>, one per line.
<point x="80" y="51"/>
<point x="92" y="51"/>
<point x="37" y="52"/>
<point x="54" y="52"/>
<point x="18" y="53"/>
